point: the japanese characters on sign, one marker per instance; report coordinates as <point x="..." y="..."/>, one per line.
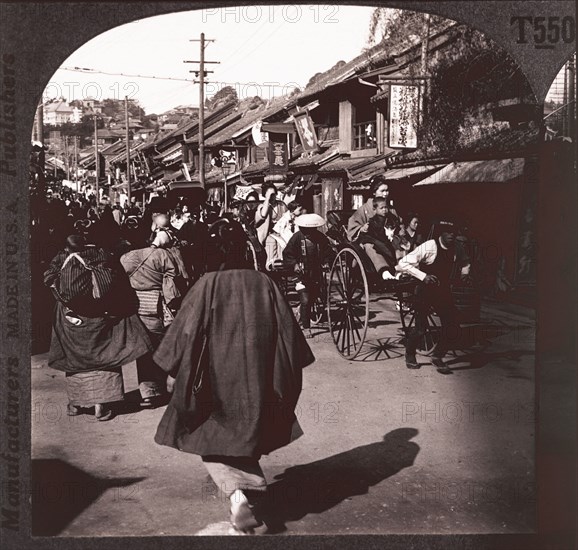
<point x="403" y="116"/>
<point x="306" y="131"/>
<point x="278" y="154"/>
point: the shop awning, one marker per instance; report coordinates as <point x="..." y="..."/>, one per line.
<point x="302" y="182"/>
<point x="400" y="173"/>
<point x="170" y="154"/>
<point x="175" y="185"/>
<point x="119" y="187"/>
<point x="477" y="171"/>
<point x="361" y="182"/>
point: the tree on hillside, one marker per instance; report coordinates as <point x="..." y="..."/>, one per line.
<point x="471" y="72"/>
<point x="84" y="129"/>
<point x="115" y="108"/>
<point x="150" y="121"/>
<point x="224" y="96"/>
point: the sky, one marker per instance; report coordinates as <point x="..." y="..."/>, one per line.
<point x="262" y="50"/>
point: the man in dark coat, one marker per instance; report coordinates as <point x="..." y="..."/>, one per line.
<point x="307" y="251"/>
<point x="236" y="353"/>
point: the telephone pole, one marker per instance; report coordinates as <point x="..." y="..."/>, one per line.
<point x="66" y="158"/>
<point x="201" y="73"/>
<point x="127" y="148"/>
<point x="96" y="166"/>
<point x="571" y="98"/>
<point x="76" y="163"/>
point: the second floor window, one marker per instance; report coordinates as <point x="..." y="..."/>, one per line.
<point x="364" y="135"/>
<point x="364" y="128"/>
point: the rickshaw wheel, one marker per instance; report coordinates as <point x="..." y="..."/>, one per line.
<point x="348" y="303"/>
<point x="251" y="255"/>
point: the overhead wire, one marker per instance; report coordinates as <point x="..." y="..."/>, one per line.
<point x="85" y="70"/>
<point x="94" y="71"/>
<point x="238" y="49"/>
<point x="260" y="43"/>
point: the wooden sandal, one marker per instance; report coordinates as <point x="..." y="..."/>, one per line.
<point x="102" y="414"/>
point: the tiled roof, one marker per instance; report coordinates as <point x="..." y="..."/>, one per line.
<point x="360" y="168"/>
<point x="106" y="133"/>
<point x="340" y="164"/>
<point x="218" y="125"/>
<point x="113" y="148"/>
<point x="121" y="156"/>
<point x="210" y="118"/>
<point x="256" y="167"/>
<point x="246" y="121"/>
<point x="316" y="160"/>
<point x="60" y="106"/>
<point x="165" y="140"/>
<point x="377" y="56"/>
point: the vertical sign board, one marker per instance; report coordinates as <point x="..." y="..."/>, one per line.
<point x="278" y="154"/>
<point x="306" y="131"/>
<point x="403" y="116"/>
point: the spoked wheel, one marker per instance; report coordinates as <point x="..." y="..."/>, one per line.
<point x="251" y="255"/>
<point x="348" y="303"/>
<point x="319" y="306"/>
<point x="429" y="341"/>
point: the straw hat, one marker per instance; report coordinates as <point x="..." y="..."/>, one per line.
<point x="310" y="220"/>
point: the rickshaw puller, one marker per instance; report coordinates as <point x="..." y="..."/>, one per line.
<point x="433" y="264"/>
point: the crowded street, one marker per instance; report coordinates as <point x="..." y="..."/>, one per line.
<point x="302" y="310"/>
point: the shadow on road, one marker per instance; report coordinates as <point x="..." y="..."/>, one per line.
<point x="481" y="359"/>
<point x="61" y="492"/>
<point x="319" y="486"/>
<point x="381" y="348"/>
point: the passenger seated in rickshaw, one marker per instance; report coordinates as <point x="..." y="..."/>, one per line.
<point x="380" y="232"/>
<point x="281" y="234"/>
<point x="286" y="227"/>
<point x="358" y="223"/>
<point x="306" y="253"/>
<point x="407" y="238"/>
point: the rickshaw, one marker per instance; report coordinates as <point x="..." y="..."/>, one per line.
<point x="353" y="283"/>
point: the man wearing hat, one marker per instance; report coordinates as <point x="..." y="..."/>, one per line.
<point x="307" y="250"/>
<point x="433" y="263"/>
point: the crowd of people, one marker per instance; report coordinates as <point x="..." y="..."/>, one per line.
<point x="174" y="292"/>
<point x="177" y="292"/>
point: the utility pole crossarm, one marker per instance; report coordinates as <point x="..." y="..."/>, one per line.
<point x="201" y="73"/>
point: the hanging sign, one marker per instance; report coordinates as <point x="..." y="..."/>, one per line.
<point x="260" y="138"/>
<point x="278" y="153"/>
<point x="185" y="171"/>
<point x="306" y="131"/>
<point x="403" y="116"/>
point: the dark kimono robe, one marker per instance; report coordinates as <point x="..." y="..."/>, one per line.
<point x="254" y="353"/>
<point x="109" y="335"/>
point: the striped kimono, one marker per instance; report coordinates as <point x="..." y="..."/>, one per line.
<point x="153" y="274"/>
